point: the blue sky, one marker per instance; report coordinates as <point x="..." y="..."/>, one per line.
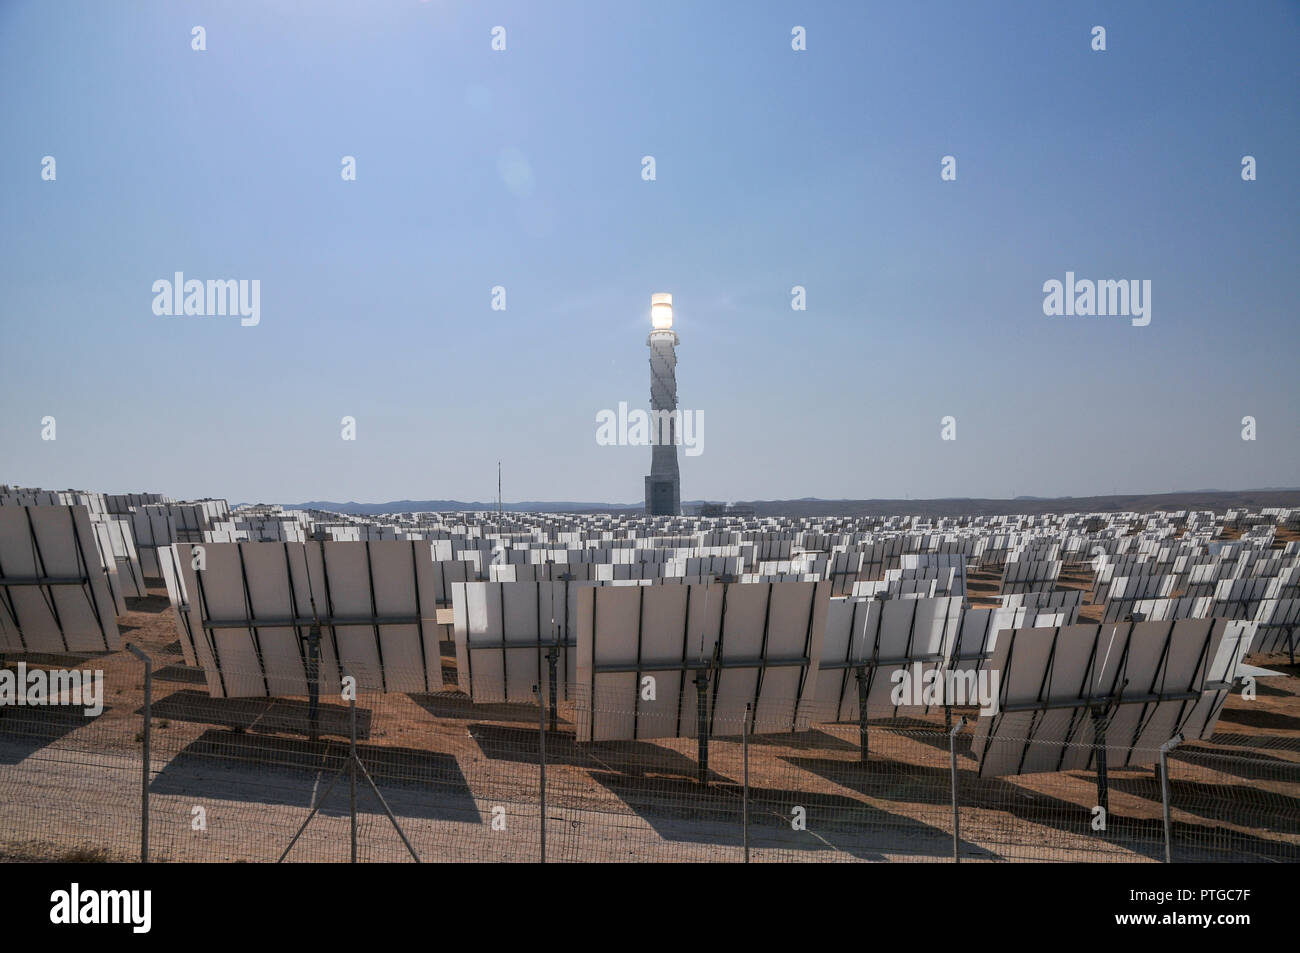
<point x="522" y="168"/>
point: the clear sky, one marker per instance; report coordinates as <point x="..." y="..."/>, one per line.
<point x="774" y="168"/>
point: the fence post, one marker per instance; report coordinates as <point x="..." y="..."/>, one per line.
<point x="956" y="818"/>
<point x="541" y="748"/>
<point x="145" y="764"/>
<point x="744" y="747"/>
<point x="352" y="767"/>
<point x="1165" y="748"/>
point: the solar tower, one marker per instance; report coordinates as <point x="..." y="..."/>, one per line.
<point x="663" y="491"/>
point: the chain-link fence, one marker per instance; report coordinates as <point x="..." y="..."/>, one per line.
<point x="442" y="779"/>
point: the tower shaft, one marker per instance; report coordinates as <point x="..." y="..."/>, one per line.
<point x="663" y="485"/>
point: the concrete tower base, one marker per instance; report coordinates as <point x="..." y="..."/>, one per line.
<point x="662" y="496"/>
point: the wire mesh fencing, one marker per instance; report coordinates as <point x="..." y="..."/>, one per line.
<point x="438" y="777"/>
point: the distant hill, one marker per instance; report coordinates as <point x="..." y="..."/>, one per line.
<point x="1217" y="500"/>
<point x="418" y="506"/>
